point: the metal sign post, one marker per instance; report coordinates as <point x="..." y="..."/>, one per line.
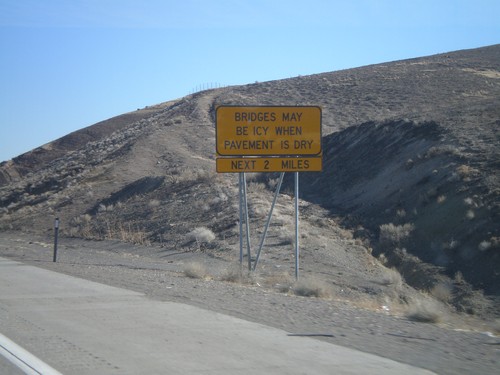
<point x="267" y="139"/>
<point x="243" y="207"/>
<point x="247" y="221"/>
<point x="56" y="235"/>
<point x="278" y="188"/>
<point x="240" y="190"/>
<point x="296" y="225"/>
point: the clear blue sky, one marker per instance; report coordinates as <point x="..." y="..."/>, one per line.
<point x="66" y="64"/>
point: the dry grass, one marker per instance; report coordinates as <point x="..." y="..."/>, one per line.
<point x="484" y="245"/>
<point x="237" y="274"/>
<point x="287" y="236"/>
<point x="442" y="292"/>
<point x="195" y="270"/>
<point x="89" y="227"/>
<point x="466" y="172"/>
<point x="256" y="188"/>
<point x="127" y="233"/>
<point x="259" y="210"/>
<point x="441" y="199"/>
<point x="153" y="203"/>
<point x="382" y="258"/>
<point x="395" y="234"/>
<point x="193" y="175"/>
<point x="281" y="281"/>
<point x="425" y="311"/>
<point x="201" y="235"/>
<point x="392" y="278"/>
<point x="312" y="288"/>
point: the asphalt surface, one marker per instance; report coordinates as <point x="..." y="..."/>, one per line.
<point x="75" y="326"/>
<point x="7" y="367"/>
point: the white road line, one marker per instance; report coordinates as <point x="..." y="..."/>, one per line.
<point x="23" y="359"/>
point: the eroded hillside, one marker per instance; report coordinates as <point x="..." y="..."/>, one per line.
<point x="411" y="168"/>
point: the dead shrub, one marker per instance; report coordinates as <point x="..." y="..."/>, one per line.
<point x="153" y="203"/>
<point x="443" y="150"/>
<point x="287" y="238"/>
<point x="466" y="172"/>
<point x="470" y="215"/>
<point x="484" y="245"/>
<point x="312" y="288"/>
<point x="128" y="234"/>
<point x="256" y="188"/>
<point x="392" y="278"/>
<point x="469" y="201"/>
<point x="281" y="281"/>
<point x="231" y="275"/>
<point x="395" y="234"/>
<point x="238" y="275"/>
<point x="442" y="292"/>
<point x="201" y="235"/>
<point x="424" y="312"/>
<point x="345" y="234"/>
<point x="195" y="270"/>
<point x="440" y="199"/>
<point x="382" y="258"/>
<point x="259" y="211"/>
<point x="401" y="213"/>
<point x="193" y="175"/>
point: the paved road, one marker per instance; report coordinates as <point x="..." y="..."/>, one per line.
<point x="77" y="326"/>
<point x="7" y="367"/>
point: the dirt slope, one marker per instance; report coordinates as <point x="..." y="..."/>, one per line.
<point x="411" y="142"/>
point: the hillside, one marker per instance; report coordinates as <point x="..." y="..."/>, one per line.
<point x="411" y="178"/>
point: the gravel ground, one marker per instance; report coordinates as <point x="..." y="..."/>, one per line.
<point x="458" y="345"/>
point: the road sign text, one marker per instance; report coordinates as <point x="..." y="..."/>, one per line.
<point x="268" y="131"/>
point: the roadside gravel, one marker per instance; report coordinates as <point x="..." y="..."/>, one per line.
<point x="458" y="345"/>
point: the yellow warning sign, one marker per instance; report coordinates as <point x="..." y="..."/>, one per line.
<point x="269" y="164"/>
<point x="265" y="131"/>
